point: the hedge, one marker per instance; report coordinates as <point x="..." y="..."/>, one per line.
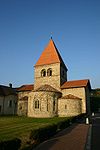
<point x="13" y="144"/>
<point x="63" y="124"/>
<point x="41" y="134"/>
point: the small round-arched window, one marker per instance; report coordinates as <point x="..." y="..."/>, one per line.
<point x="49" y="72"/>
<point x="43" y="73"/>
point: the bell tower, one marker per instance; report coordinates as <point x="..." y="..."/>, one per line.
<point x="50" y="68"/>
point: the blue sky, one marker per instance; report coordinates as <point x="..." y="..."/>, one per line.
<point x="26" y="27"/>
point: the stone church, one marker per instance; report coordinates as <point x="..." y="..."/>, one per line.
<point x="52" y="94"/>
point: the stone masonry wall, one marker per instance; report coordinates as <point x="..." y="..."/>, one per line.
<point x="22" y="104"/>
<point x="79" y="92"/>
<point x="45" y="98"/>
<point x="53" y="80"/>
<point x="23" y="94"/>
<point x="22" y="108"/>
<point x="69" y="107"/>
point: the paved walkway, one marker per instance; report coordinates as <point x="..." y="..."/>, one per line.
<point x="95" y="135"/>
<point x="72" y="138"/>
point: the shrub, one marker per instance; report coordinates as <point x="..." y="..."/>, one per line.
<point x="41" y="134"/>
<point x="13" y="144"/>
<point x="63" y="124"/>
<point x="77" y="118"/>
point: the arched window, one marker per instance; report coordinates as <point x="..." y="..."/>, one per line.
<point x="37" y="104"/>
<point x="43" y="73"/>
<point x="49" y="72"/>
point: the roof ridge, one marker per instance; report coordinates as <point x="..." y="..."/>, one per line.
<point x="59" y="55"/>
<point x="77" y="80"/>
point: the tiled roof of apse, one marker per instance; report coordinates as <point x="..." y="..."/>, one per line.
<point x="70" y="96"/>
<point x="50" y="55"/>
<point x="47" y="88"/>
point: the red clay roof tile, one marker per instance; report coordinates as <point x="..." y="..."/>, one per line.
<point x="48" y="88"/>
<point x="75" y="83"/>
<point x="50" y="55"/>
<point x="29" y="87"/>
<point x="70" y="96"/>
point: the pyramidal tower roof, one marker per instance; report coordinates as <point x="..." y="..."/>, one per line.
<point x="50" y="55"/>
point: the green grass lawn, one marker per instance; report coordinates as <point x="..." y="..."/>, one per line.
<point x="19" y="127"/>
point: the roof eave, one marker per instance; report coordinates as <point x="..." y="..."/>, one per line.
<point x="72" y="87"/>
<point x="46" y="64"/>
<point x="23" y="90"/>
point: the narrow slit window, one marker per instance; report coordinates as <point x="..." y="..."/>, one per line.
<point x="37" y="104"/>
<point x="65" y="106"/>
<point x="54" y="104"/>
